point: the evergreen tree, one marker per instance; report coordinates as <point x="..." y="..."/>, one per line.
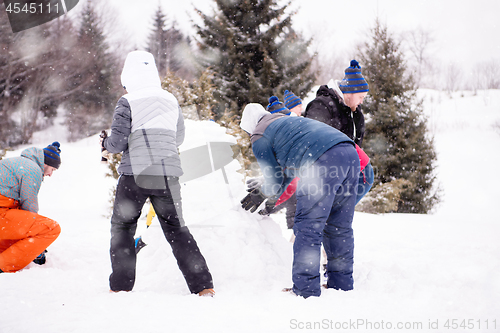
<point x="167" y="47"/>
<point x="397" y="138"/>
<point x="91" y="107"/>
<point x="12" y="82"/>
<point x="46" y="74"/>
<point x="253" y="53"/>
<point x="179" y="55"/>
<point x="33" y="73"/>
<point x="157" y="42"/>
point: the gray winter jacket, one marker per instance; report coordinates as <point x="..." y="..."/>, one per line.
<point x="148" y="125"/>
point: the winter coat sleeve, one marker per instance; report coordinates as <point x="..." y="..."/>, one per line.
<point x="181" y="130"/>
<point x="120" y="128"/>
<point x="275" y="181"/>
<point x="359" y="122"/>
<point x="28" y="191"/>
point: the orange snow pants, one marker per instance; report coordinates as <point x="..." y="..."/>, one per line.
<point x="23" y="235"/>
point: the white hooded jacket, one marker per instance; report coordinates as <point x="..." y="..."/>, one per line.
<point x="148" y="125"/>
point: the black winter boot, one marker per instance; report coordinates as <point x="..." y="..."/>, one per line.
<point x="40" y="260"/>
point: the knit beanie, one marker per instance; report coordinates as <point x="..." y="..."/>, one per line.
<point x="353" y="82"/>
<point x="291" y="100"/>
<point x="51" y="153"/>
<point x="276" y="106"/>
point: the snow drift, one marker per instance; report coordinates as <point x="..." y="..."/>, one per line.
<point x="434" y="272"/>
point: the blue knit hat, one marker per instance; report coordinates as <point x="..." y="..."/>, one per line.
<point x="291" y="100"/>
<point x="276" y="106"/>
<point x="52" y="155"/>
<point x="353" y="82"/>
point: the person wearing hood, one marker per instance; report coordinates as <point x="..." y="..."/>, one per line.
<point x="274" y="206"/>
<point x="326" y="162"/>
<point x="148" y="127"/>
<point x="24" y="234"/>
<point x="338" y="104"/>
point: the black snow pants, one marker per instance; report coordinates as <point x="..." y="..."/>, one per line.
<point x="166" y="202"/>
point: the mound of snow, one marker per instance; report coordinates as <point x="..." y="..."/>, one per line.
<point x="412" y="272"/>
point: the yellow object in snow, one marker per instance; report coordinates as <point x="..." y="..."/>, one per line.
<point x="151" y="214"/>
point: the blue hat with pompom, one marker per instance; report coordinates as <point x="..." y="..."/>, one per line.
<point x="353" y="82"/>
<point x="52" y="155"/>
<point x="276" y="106"/>
<point x="291" y="100"/>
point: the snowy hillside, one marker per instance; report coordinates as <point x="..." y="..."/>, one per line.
<point x="424" y="273"/>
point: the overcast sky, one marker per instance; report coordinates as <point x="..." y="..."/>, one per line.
<point x="465" y="32"/>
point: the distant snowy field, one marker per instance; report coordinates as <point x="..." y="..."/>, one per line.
<point x="425" y="273"/>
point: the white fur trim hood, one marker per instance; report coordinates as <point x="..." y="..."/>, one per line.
<point x="334" y="84"/>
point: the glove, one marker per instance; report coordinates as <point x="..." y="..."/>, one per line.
<point x="254" y="183"/>
<point x="253" y="200"/>
<point x="104" y="153"/>
<point x="103" y="136"/>
<point x="268" y="207"/>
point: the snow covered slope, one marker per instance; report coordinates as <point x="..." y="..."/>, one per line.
<point x="412" y="272"/>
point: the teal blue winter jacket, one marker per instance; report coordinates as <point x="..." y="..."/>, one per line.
<point x="284" y="146"/>
<point x="21" y="178"/>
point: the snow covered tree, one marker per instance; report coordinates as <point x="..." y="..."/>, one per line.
<point x="157" y="42"/>
<point x="34" y="67"/>
<point x="397" y="139"/>
<point x="253" y="52"/>
<point x="91" y="107"/>
<point x="12" y="80"/>
<point x="167" y="46"/>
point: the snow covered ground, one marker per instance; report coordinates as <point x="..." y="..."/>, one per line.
<point x="425" y="273"/>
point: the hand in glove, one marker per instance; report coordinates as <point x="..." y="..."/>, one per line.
<point x="268" y="207"/>
<point x="254" y="183"/>
<point x="253" y="200"/>
<point x="105" y="156"/>
<point x="103" y="136"/>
